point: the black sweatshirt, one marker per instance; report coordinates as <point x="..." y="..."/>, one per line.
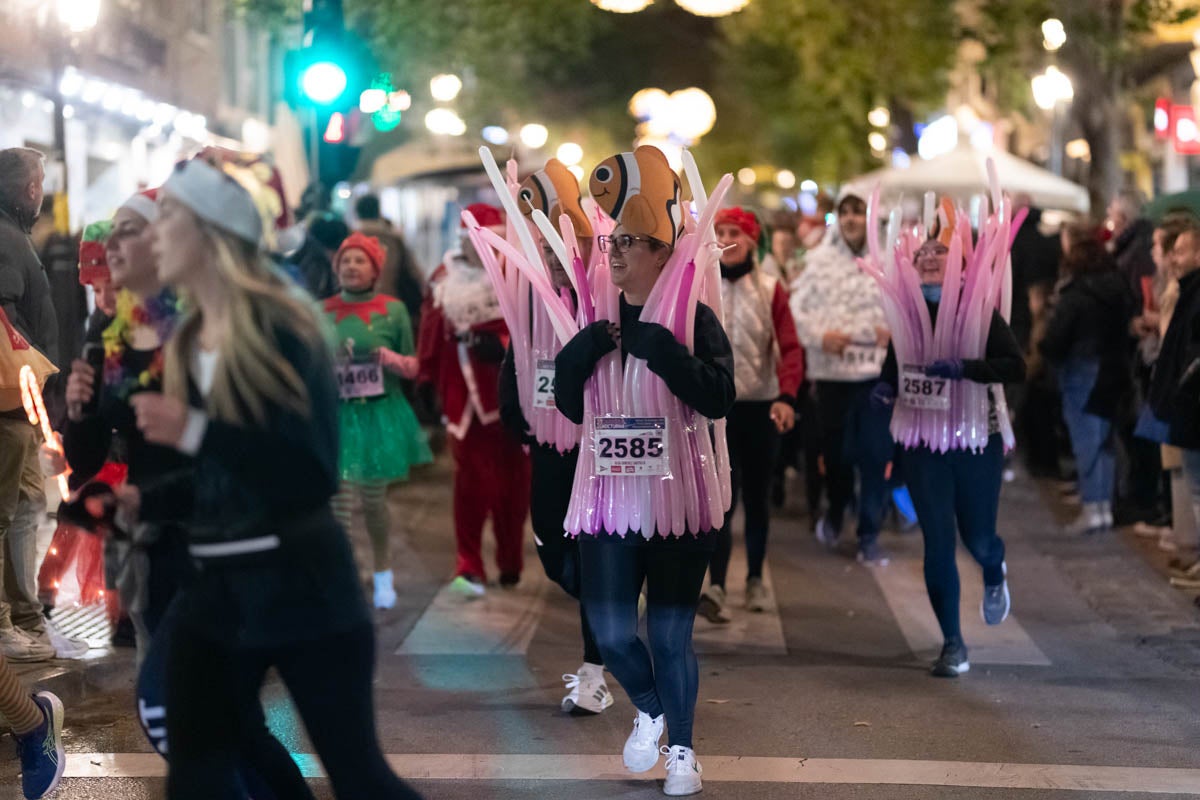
<point x="1002" y="361"/>
<point x="703" y="381"/>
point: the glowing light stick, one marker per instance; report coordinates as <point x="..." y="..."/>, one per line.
<point x="35" y="409"/>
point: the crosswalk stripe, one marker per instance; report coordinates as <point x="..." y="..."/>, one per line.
<point x="502" y="622"/>
<point x="718" y="769"/>
<point x="748" y="633"/>
<point x="903" y="585"/>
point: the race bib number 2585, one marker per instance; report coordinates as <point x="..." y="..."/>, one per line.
<point x="631" y="446"/>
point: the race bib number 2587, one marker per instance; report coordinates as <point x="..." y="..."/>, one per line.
<point x="917" y="390"/>
<point x="631" y="446"/>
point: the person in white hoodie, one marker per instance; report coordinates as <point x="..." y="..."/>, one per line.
<point x="839" y="318"/>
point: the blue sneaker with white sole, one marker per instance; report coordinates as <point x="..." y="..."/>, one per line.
<point x="42" y="757"/>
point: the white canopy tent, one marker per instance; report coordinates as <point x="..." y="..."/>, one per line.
<point x="962" y="173"/>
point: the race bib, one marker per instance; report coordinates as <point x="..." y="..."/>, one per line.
<point x="543" y="384"/>
<point x="918" y="390"/>
<point x="857" y="359"/>
<point x="358" y="379"/>
<point x="631" y="446"/>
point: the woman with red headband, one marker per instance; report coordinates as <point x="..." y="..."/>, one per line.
<point x="380" y="436"/>
<point x="768" y="368"/>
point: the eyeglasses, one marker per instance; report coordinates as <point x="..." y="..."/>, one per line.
<point x="622" y="243"/>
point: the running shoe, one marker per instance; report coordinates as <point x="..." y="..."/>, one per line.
<point x="996" y="603"/>
<point x="712" y="606"/>
<point x="64" y="646"/>
<point x="641" y="748"/>
<point x="683" y="772"/>
<point x="588" y="693"/>
<point x="758" y="597"/>
<point x="385" y="590"/>
<point x="826" y="534"/>
<point x="468" y="588"/>
<point x="19" y="647"/>
<point x="42" y="757"/>
<point x="952" y="662"/>
<point x="871" y="554"/>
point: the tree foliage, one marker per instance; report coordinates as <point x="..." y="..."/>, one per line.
<point x="1104" y="39"/>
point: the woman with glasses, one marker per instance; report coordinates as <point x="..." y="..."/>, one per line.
<point x="662" y="681"/>
<point x="955" y="491"/>
<point x="249" y="392"/>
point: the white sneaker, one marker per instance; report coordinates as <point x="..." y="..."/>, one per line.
<point x="1106" y="514"/>
<point x="385" y="590"/>
<point x="589" y="693"/>
<point x="758" y="598"/>
<point x="641" y="748"/>
<point x="462" y="585"/>
<point x="19" y="647"/>
<point x="683" y="772"/>
<point x="64" y="646"/>
<point x="1090" y="521"/>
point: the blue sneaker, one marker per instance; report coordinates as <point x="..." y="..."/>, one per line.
<point x="996" y="602"/>
<point x="42" y="757"/>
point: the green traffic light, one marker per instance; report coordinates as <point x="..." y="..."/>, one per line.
<point x="323" y="82"/>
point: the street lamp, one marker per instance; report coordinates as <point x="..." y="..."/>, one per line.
<point x="712" y="8"/>
<point x="78" y="16"/>
<point x="445" y="88"/>
<point x="622" y="6"/>
<point x="1052" y="91"/>
<point x="1054" y="35"/>
<point x="534" y="136"/>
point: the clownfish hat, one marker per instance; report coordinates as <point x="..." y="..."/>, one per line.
<point x="641" y="192"/>
<point x="554" y="191"/>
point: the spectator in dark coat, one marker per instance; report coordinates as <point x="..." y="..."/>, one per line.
<point x="1087" y="340"/>
<point x="312" y="265"/>
<point x="1132" y="238"/>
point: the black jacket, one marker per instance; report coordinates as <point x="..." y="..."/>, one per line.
<point x="1034" y="261"/>
<point x="24" y="289"/>
<point x="1132" y="253"/>
<point x="1002" y="361"/>
<point x="162" y="474"/>
<point x="1091" y="321"/>
<point x="1175" y="385"/>
<point x="703" y="381"/>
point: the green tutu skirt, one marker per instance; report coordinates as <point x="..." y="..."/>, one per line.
<point x="380" y="439"/>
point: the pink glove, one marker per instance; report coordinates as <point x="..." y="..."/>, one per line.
<point x="404" y="366"/>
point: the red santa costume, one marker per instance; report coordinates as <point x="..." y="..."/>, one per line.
<point x="460" y="347"/>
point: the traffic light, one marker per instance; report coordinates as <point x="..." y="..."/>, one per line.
<point x="332" y="67"/>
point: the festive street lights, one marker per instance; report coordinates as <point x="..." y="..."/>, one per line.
<point x="1052" y="91"/>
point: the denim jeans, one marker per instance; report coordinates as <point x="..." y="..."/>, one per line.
<point x="1091" y="438"/>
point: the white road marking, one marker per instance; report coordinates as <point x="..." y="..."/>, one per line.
<point x="732" y="769"/>
<point x="502" y="622"/>
<point x="903" y="585"/>
<point x="748" y="633"/>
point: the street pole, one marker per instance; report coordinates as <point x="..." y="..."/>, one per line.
<point x="1056" y="136"/>
<point x="315" y="144"/>
<point x="57" y="69"/>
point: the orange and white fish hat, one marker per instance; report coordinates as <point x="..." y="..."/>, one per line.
<point x="641" y="192"/>
<point x="554" y="191"/>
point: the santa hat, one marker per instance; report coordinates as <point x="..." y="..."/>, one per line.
<point x="743" y="220"/>
<point x="93" y="261"/>
<point x="370" y="247"/>
<point x="487" y="216"/>
<point x="144" y="204"/>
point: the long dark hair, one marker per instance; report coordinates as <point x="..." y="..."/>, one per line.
<point x="1084" y="253"/>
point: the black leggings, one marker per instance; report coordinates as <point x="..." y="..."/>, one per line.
<point x="552" y="476"/>
<point x="329" y="679"/>
<point x="664" y="679"/>
<point x="753" y="446"/>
